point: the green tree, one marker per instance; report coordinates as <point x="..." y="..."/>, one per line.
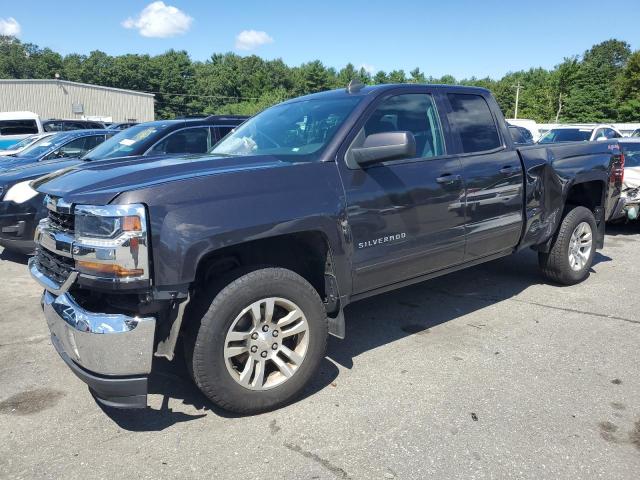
<point x="592" y="95"/>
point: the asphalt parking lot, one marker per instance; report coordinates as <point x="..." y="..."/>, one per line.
<point x="486" y="373"/>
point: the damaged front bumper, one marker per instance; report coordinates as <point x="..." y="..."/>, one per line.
<point x="111" y="353"/>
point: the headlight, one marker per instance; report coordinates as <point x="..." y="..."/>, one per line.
<point x="111" y="241"/>
<point x="20" y="192"/>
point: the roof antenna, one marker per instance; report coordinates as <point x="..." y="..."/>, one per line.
<point x="354" y="86"/>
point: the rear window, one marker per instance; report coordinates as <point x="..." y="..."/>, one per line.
<point x="558" y="135"/>
<point x="18" y="127"/>
<point x="475" y="123"/>
<point x="631" y="155"/>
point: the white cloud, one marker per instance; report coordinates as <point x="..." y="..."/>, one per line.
<point x="9" y="26"/>
<point x="158" y="20"/>
<point x="250" y="39"/>
<point x="370" y="69"/>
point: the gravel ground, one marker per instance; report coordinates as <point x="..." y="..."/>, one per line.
<point x="485" y="373"/>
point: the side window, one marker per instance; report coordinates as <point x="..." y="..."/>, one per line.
<point x="75" y="125"/>
<point x="599" y="134"/>
<point x="92" y="142"/>
<point x="56" y="126"/>
<point x="474" y="121"/>
<point x="74" y="148"/>
<point x="221" y="132"/>
<point x="611" y="133"/>
<point x="190" y="140"/>
<point x="415" y="113"/>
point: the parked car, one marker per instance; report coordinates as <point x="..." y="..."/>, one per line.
<point x="531" y="125"/>
<point x="73" y="144"/>
<point x="56" y="125"/>
<point x="251" y="253"/>
<point x="520" y="135"/>
<point x="635" y="133"/>
<point x="22" y="144"/>
<point x="580" y="133"/>
<point x="168" y="137"/>
<point x="121" y="125"/>
<point x="630" y="197"/>
<point x="21" y="208"/>
<point x="15" y="126"/>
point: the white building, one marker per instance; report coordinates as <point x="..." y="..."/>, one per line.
<point x="71" y="100"/>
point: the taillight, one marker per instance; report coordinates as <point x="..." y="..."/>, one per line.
<point x="621" y="168"/>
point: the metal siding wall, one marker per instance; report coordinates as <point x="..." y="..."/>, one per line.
<point x="51" y="99"/>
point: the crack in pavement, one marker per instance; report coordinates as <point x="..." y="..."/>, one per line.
<point x="337" y="471"/>
<point x="490" y="298"/>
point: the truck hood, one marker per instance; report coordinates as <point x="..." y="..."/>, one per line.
<point x="100" y="182"/>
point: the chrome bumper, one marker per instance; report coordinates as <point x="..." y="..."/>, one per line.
<point x="105" y="344"/>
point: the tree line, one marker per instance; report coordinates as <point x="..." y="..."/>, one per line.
<point x="601" y="85"/>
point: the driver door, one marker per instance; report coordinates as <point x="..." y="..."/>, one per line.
<point x="406" y="215"/>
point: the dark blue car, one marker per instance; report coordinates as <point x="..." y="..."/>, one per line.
<point x="72" y="144"/>
<point x="21" y="207"/>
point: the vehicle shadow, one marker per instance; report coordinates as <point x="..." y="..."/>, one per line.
<point x="623" y="228"/>
<point x="173" y="382"/>
<point x="371" y="323"/>
<point x="414" y="310"/>
<point x="14" y="257"/>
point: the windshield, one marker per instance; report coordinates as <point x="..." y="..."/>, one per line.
<point x="124" y="143"/>
<point x="566" y="135"/>
<point x="631" y="155"/>
<point x="22" y="143"/>
<point x="43" y="145"/>
<point x="300" y="129"/>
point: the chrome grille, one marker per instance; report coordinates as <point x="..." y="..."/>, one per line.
<point x="63" y="222"/>
<point x="54" y="266"/>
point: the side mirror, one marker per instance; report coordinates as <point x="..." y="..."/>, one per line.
<point x="379" y="147"/>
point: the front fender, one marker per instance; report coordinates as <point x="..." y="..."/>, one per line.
<point x="193" y="217"/>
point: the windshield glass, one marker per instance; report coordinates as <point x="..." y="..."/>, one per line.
<point x="300" y="129"/>
<point x="631" y="155"/>
<point x="566" y="135"/>
<point x="43" y="145"/>
<point x="124" y="143"/>
<point x="21" y="144"/>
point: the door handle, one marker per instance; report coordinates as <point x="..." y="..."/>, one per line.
<point x="448" y="179"/>
<point x="506" y="170"/>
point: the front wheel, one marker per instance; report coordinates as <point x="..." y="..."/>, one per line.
<point x="571" y="255"/>
<point x="260" y="342"/>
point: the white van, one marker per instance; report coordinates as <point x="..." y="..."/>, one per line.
<point x="14" y="126"/>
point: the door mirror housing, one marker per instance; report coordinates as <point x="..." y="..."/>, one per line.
<point x="379" y="147"/>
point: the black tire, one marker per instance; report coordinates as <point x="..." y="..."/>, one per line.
<point x="555" y="264"/>
<point x="205" y="339"/>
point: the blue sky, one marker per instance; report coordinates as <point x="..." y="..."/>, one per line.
<point x="458" y="37"/>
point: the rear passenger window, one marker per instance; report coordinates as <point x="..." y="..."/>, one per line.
<point x="474" y="121"/>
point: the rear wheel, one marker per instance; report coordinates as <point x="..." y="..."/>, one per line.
<point x="260" y="341"/>
<point x="571" y="255"/>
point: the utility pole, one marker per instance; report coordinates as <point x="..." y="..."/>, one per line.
<point x="518" y="87"/>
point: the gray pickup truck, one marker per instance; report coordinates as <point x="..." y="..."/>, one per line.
<point x="249" y="254"/>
